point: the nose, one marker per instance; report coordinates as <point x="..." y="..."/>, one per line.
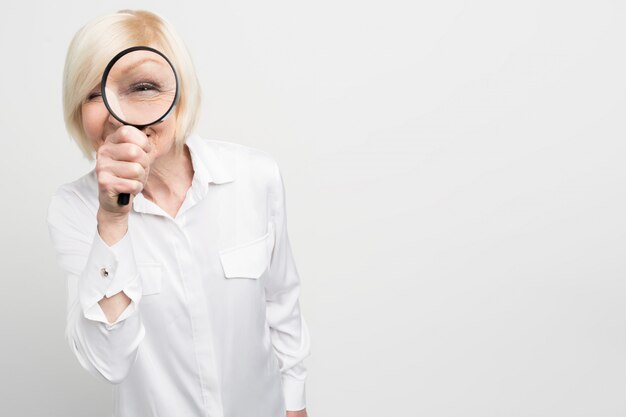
<point x="111" y="125"/>
<point x="113" y="122"/>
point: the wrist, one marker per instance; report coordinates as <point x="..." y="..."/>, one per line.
<point x="108" y="217"/>
<point x="111" y="226"/>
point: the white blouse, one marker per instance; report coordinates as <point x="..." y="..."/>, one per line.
<point x="214" y="327"/>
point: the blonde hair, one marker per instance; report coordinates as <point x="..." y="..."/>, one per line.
<point x="101" y="39"/>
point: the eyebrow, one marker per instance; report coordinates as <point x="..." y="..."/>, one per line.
<point x="136" y="64"/>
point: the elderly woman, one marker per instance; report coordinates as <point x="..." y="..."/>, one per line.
<point x="187" y="298"/>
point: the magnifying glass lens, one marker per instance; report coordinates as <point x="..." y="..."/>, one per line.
<point x="140" y="88"/>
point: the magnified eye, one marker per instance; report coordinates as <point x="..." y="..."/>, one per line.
<point x="143" y="87"/>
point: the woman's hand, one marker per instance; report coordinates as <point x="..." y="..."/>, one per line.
<point x="122" y="166"/>
<point x="301" y="413"/>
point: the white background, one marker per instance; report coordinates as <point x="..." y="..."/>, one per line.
<point x="455" y="179"/>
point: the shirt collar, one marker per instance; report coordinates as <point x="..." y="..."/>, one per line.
<point x="210" y="165"/>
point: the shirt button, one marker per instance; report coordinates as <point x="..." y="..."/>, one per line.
<point x="104" y="272"/>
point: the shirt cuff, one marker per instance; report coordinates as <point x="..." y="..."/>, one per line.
<point x="109" y="270"/>
<point x="294" y="392"/>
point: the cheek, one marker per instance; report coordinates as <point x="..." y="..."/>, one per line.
<point x="165" y="132"/>
<point x="168" y="126"/>
<point x="94" y="116"/>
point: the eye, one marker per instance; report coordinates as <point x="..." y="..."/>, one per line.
<point x="144" y="87"/>
<point x="93" y="95"/>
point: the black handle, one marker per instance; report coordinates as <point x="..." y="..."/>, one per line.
<point x="123" y="199"/>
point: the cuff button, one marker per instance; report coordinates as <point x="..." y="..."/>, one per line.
<point x="104" y="272"/>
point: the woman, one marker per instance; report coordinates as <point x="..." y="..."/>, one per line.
<point x="186" y="299"/>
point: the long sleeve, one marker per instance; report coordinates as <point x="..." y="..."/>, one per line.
<point x="93" y="269"/>
<point x="288" y="329"/>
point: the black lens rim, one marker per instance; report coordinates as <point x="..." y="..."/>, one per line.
<point x="105" y="75"/>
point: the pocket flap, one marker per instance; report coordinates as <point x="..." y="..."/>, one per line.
<point x="248" y="260"/>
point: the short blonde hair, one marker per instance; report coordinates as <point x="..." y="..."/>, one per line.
<point x="101" y="39"/>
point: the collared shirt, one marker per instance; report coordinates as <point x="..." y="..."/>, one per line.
<point x="214" y="327"/>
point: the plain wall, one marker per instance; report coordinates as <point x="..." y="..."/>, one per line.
<point x="455" y="182"/>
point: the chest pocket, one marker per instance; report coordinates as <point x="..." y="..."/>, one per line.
<point x="250" y="259"/>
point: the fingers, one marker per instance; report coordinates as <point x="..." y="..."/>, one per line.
<point x="113" y="185"/>
<point x="127" y="151"/>
<point x="127" y="170"/>
<point x="130" y="134"/>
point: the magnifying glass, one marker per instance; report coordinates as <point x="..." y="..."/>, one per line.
<point x="139" y="88"/>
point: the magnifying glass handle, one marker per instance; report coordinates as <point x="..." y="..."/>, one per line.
<point x="123" y="199"/>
